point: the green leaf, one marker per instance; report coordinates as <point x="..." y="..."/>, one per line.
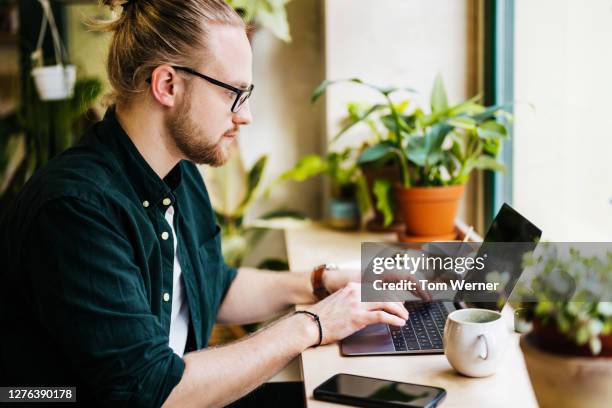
<point x="582" y="335"/>
<point x="544" y="308"/>
<point x="491" y="146"/>
<point x="227" y="185"/>
<point x="253" y="179"/>
<point x="462" y="122"/>
<point x="234" y="249"/>
<point x="401" y="106"/>
<point x="489" y="113"/>
<point x="457" y="151"/>
<point x="271" y="14"/>
<point x="274" y="17"/>
<point x="427" y="149"/>
<point x="340" y="169"/>
<point x="384" y="91"/>
<point x="86" y="91"/>
<point x="439" y="100"/>
<point x="492" y="130"/>
<point x="377" y="152"/>
<point x="254" y="176"/>
<point x="356" y="117"/>
<point x="320" y="90"/>
<point x="488" y="163"/>
<point x="469" y="107"/>
<point x="363" y="195"/>
<point x="382" y="190"/>
<point x="416" y="150"/>
<point x="307" y="167"/>
<point x="389" y="122"/>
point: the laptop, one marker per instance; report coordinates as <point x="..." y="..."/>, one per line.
<point x="424" y="330"/>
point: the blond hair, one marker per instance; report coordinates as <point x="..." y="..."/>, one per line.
<point x="149" y="33"/>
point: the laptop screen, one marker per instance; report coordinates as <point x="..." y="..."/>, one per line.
<point x="517" y="236"/>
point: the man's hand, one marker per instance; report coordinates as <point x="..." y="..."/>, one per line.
<point x="336" y="279"/>
<point x="342" y="313"/>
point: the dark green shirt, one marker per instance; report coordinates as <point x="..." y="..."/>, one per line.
<point x="85" y="271"/>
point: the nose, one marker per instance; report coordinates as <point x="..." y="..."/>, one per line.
<point x="243" y="116"/>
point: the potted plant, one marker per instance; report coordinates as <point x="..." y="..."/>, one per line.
<point x="435" y="153"/>
<point x="53" y="82"/>
<point x="382" y="121"/>
<point x="270" y="14"/>
<point x="568" y="352"/>
<point x="349" y="196"/>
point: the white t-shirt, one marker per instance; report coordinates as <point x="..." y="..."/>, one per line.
<point x="179" y="318"/>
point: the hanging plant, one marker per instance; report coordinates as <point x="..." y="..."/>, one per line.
<point x="53" y="82"/>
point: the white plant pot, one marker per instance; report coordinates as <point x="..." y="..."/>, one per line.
<point x="568" y="382"/>
<point x="55" y="82"/>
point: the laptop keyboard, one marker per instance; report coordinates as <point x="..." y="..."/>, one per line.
<point x="424" y="329"/>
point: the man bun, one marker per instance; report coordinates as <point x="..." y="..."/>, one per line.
<point x="150" y="33"/>
<point x="114" y="3"/>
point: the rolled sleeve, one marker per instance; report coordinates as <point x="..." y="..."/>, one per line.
<point x="229" y="276"/>
<point x="88" y="293"/>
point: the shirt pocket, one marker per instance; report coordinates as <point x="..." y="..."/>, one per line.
<point x="212" y="263"/>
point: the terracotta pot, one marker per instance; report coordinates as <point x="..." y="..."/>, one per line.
<point x="390" y="172"/>
<point x="429" y="211"/>
<point x="563" y="381"/>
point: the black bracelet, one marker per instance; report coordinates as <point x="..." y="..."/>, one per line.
<point x="316" y="319"/>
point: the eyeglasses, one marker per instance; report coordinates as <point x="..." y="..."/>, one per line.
<point x="241" y="94"/>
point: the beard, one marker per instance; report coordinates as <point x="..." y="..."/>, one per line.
<point x="190" y="139"/>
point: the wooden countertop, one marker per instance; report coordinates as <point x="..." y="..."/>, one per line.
<point x="509" y="387"/>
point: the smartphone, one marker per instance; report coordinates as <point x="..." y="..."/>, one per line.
<point x="375" y="393"/>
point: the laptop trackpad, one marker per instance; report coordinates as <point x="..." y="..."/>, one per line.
<point x="374" y="338"/>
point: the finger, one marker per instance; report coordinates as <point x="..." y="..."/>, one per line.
<point x="380" y="316"/>
<point x="396" y="308"/>
<point x="423" y="293"/>
<point x="419" y="291"/>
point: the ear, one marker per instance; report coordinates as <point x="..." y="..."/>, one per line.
<point x="165" y="85"/>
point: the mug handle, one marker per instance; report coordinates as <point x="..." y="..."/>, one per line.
<point x="483" y="347"/>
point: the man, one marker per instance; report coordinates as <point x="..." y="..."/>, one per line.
<point x="113" y="265"/>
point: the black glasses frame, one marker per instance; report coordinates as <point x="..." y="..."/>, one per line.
<point x="239" y="92"/>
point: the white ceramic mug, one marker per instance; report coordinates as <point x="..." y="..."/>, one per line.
<point x="474" y="341"/>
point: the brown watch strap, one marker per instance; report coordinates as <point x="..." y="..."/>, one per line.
<point x="318" y="288"/>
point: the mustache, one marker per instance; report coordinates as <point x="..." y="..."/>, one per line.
<point x="235" y="130"/>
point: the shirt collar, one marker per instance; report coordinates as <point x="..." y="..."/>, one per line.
<point x="151" y="189"/>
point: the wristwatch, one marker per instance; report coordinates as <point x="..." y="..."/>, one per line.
<point x="318" y="288"/>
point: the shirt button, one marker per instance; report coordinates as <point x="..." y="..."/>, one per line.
<point x="166" y="201"/>
<point x="145" y="203"/>
<point x="165" y="235"/>
<point x="166" y="297"/>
